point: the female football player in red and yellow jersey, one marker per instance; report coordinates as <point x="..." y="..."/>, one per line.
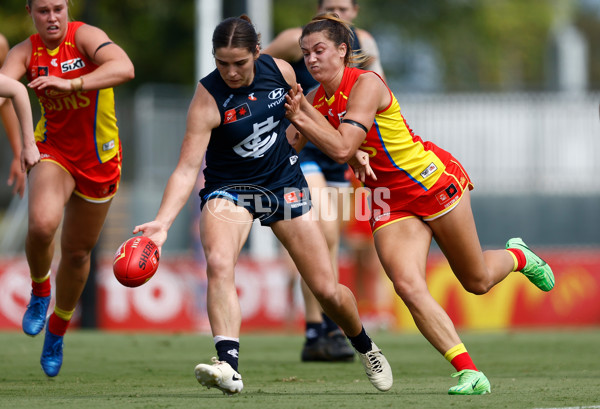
<point x="72" y="67"/>
<point x="420" y="192"/>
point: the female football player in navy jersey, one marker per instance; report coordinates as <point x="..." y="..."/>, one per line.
<point x="236" y="118"/>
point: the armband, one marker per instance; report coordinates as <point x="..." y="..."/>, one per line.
<point x="102" y="45"/>
<point x="358" y="124"/>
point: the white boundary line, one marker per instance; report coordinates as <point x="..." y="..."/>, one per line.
<point x="574" y="407"/>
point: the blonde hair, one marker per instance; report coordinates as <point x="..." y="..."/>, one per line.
<point x="30" y="2"/>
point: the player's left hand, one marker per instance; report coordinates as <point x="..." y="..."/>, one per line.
<point x="155" y="231"/>
<point x="30" y="156"/>
<point x="50" y="81"/>
<point x="361" y="166"/>
<point x="293" y="100"/>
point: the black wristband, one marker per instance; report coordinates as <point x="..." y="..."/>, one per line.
<point x="351" y="122"/>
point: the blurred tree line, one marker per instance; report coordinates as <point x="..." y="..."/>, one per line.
<point x="427" y="45"/>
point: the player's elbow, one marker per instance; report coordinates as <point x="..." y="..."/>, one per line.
<point x="343" y="155"/>
<point x="129" y="73"/>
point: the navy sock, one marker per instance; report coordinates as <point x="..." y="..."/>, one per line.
<point x="361" y="342"/>
<point x="228" y="351"/>
<point x="328" y="325"/>
<point x="313" y="331"/>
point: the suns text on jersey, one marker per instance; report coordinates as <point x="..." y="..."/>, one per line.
<point x="74" y="100"/>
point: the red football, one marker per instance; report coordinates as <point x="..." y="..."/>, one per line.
<point x="136" y="261"/>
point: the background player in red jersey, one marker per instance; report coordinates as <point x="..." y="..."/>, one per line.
<point x="421" y="191"/>
<point x="72" y="68"/>
<point x="323" y="339"/>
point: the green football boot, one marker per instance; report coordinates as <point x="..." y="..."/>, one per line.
<point x="536" y="269"/>
<point x="470" y="382"/>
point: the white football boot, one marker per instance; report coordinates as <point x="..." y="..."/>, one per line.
<point x="219" y="375"/>
<point x="377" y="368"/>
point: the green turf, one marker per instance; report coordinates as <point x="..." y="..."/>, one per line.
<point x="107" y="370"/>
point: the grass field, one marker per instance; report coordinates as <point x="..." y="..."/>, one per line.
<point x="107" y="370"/>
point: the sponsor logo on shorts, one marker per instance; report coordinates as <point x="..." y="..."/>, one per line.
<point x="293" y="159"/>
<point x="108" y="145"/>
<point x="293" y="199"/>
<point x="445" y="197"/>
<point x="429" y="170"/>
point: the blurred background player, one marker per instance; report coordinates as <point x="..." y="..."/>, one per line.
<point x="421" y="191"/>
<point x="232" y="121"/>
<point x="72" y="67"/>
<point x="323" y="339"/>
<point x="16" y="177"/>
<point x="13" y="89"/>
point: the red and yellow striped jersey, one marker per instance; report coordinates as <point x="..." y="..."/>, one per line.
<point x="400" y="159"/>
<point x="81" y="124"/>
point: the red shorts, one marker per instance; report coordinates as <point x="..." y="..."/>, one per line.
<point x="442" y="197"/>
<point x="97" y="184"/>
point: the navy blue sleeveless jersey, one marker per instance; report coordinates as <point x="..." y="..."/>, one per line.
<point x="250" y="145"/>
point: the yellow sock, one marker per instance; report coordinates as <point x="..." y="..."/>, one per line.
<point x="64" y="315"/>
<point x="460" y="358"/>
<point x="40" y="280"/>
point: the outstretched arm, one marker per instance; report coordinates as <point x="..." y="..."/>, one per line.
<point x="203" y="116"/>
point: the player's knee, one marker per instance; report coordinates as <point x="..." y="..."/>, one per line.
<point x="410" y="291"/>
<point x="476" y="286"/>
<point x="75" y="258"/>
<point x="41" y="230"/>
<point x="219" y="265"/>
<point x="327" y="295"/>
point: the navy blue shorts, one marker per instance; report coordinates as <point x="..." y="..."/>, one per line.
<point x="312" y="160"/>
<point x="266" y="205"/>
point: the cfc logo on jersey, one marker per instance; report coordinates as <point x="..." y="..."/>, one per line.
<point x="71" y="65"/>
